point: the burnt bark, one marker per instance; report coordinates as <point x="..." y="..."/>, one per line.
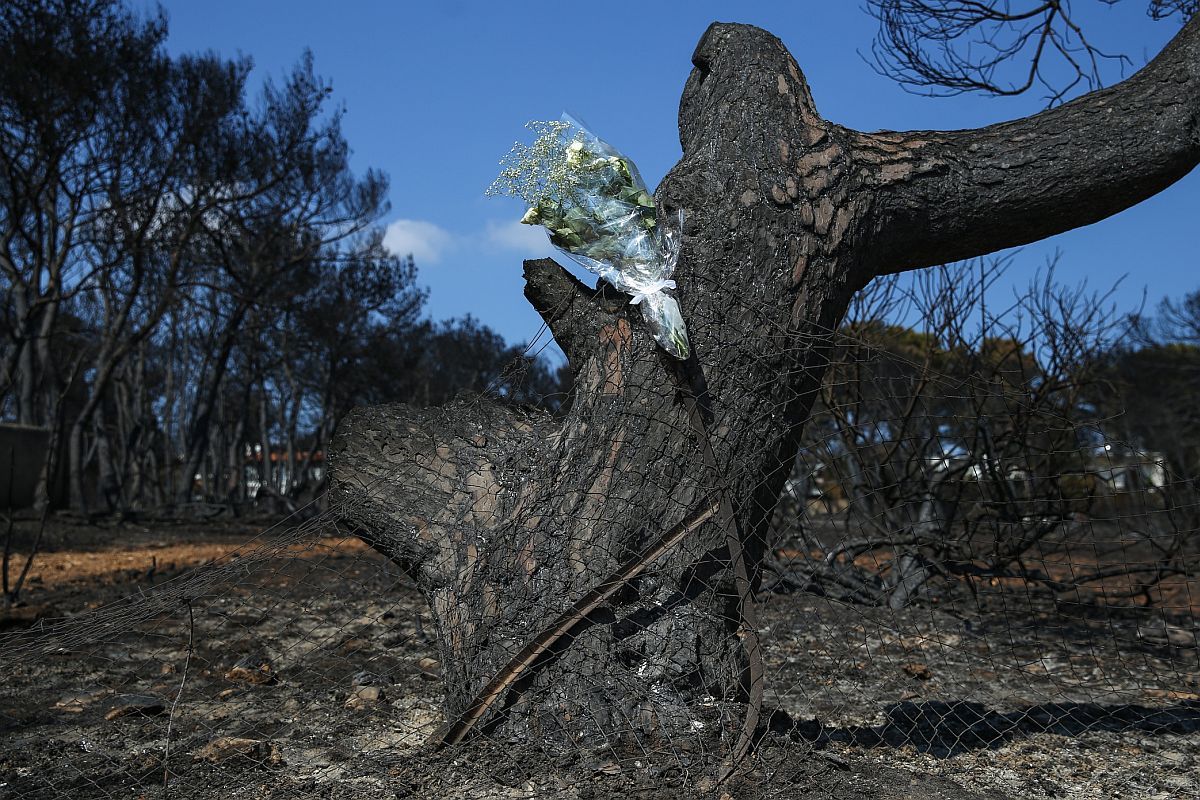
<point x="506" y="516"/>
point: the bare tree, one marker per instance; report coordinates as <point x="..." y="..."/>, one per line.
<point x="967" y="448"/>
<point x="531" y="536"/>
<point x="308" y="201"/>
<point x="63" y="119"/>
<point x="161" y="186"/>
<point x="169" y="246"/>
<point x="999" y="47"/>
<point x="1161" y="9"/>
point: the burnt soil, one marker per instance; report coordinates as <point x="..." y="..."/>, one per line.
<point x="302" y="665"/>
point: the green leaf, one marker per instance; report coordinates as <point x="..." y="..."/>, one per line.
<point x="681" y="343"/>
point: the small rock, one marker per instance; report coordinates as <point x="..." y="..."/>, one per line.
<point x="370" y="692"/>
<point x="254" y="670"/>
<point x="366" y="678"/>
<point x="431" y="668"/>
<point x="146" y="705"/>
<point x="837" y="761"/>
<point x="1168" y="635"/>
<point x="74" y="704"/>
<point x="918" y="670"/>
<point x="364" y="697"/>
<point x="224" y="748"/>
<point x="225" y="694"/>
<point x="1174" y="756"/>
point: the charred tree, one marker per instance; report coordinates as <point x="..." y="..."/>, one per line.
<point x="506" y="516"/>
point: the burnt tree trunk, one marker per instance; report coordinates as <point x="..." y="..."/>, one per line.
<point x="506" y="516"/>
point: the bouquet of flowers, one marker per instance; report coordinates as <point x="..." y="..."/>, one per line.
<point x="597" y="210"/>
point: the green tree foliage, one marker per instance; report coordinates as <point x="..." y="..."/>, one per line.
<point x="1148" y="389"/>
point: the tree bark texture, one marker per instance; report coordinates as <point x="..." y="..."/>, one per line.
<point x="505" y="516"/>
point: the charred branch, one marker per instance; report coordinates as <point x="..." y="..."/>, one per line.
<point x="947" y="196"/>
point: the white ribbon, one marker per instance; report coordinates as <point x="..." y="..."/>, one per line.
<point x="654" y="287"/>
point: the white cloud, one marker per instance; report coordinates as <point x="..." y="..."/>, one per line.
<point x="430" y="243"/>
<point x="426" y="241"/>
<point x="525" y="239"/>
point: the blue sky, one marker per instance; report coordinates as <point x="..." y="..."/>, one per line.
<point x="436" y="92"/>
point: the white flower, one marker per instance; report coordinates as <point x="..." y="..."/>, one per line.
<point x="576" y="153"/>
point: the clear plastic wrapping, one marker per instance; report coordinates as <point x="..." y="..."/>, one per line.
<point x="598" y="212"/>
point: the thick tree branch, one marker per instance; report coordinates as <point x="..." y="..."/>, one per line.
<point x="422" y="485"/>
<point x="574" y="312"/>
<point x="507" y="518"/>
<point x="946" y="196"/>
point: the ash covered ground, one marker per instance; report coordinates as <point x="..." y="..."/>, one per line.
<point x="312" y="673"/>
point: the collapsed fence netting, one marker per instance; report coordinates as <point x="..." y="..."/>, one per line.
<point x="961" y="574"/>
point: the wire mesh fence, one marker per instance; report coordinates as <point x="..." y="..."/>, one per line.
<point x="962" y="580"/>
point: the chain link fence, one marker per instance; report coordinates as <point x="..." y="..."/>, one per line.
<point x="961" y="584"/>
